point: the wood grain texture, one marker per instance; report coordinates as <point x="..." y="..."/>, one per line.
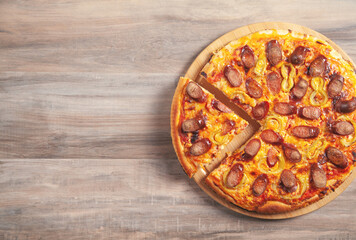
<point x="86" y="88"/>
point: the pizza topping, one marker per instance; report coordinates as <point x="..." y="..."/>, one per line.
<point x="335" y="85"/>
<point x="318" y="175"/>
<point x="233" y="76"/>
<point x="252" y="148"/>
<point x="274" y="52"/>
<point x="346" y="106"/>
<point x="284" y="108"/>
<point x="335" y="156"/>
<point x="274" y="82"/>
<point x="200" y="147"/>
<point x="253" y="88"/>
<point x="305" y="132"/>
<point x="291" y="152"/>
<point x="318" y="97"/>
<point x="192" y="125"/>
<point x="260" y="110"/>
<point x="342" y="128"/>
<point x="259" y="185"/>
<point x="300" y="89"/>
<point x="318" y="67"/>
<point x="298" y="56"/>
<point x="248" y="57"/>
<point x="235" y="175"/>
<point x="288" y="179"/>
<point x="195" y="92"/>
<point x="272" y="157"/>
<point x="220" y="106"/>
<point x="227" y="126"/>
<point x="309" y="112"/>
<point x="271" y="137"/>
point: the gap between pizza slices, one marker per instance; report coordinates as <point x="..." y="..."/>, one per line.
<point x="298" y="96"/>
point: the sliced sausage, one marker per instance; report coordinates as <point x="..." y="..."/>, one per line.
<point x="200" y="147"/>
<point x="288" y="178"/>
<point x="318" y="175"/>
<point x="192" y="125"/>
<point x="274" y="82"/>
<point x="271" y="137"/>
<point x="260" y="110"/>
<point x="252" y="148"/>
<point x="342" y="128"/>
<point x="259" y="185"/>
<point x="335" y="85"/>
<point x="291" y="153"/>
<point x="248" y="57"/>
<point x="318" y="67"/>
<point x="274" y="52"/>
<point x="235" y="175"/>
<point x="309" y="112"/>
<point x="335" y="156"/>
<point x="272" y="157"/>
<point x="227" y="126"/>
<point x="305" y="132"/>
<point x="220" y="106"/>
<point x="300" y="89"/>
<point x="233" y="76"/>
<point x="298" y="56"/>
<point x="195" y="92"/>
<point x="283" y="108"/>
<point x="253" y="88"/>
<point x="346" y="106"/>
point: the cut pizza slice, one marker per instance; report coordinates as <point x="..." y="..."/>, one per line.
<point x="201" y="125"/>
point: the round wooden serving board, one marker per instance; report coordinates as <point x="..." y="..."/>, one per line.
<point x="193" y="73"/>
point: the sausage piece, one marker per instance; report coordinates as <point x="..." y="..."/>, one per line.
<point x="288" y="178"/>
<point x="283" y="108"/>
<point x="248" y="57"/>
<point x="260" y="110"/>
<point x="252" y="148"/>
<point x="300" y="89"/>
<point x="227" y="126"/>
<point x="259" y="185"/>
<point x="305" y="132"/>
<point x="318" y="175"/>
<point x="235" y="175"/>
<point x="309" y="112"/>
<point x="342" y="128"/>
<point x="274" y="52"/>
<point x="274" y="82"/>
<point x="291" y="153"/>
<point x="335" y="156"/>
<point x="318" y="67"/>
<point x="335" y="85"/>
<point x="200" y="147"/>
<point x="298" y="55"/>
<point x="253" y="88"/>
<point x="220" y="106"/>
<point x="195" y="92"/>
<point x="233" y="76"/>
<point x="271" y="137"/>
<point x="346" y="106"/>
<point x="272" y="157"/>
<point x="192" y="125"/>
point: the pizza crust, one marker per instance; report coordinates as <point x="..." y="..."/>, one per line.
<point x="273" y="207"/>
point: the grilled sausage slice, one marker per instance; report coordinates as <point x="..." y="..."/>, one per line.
<point x="318" y="67"/>
<point x="272" y="157"/>
<point x="288" y="178"/>
<point x="227" y="126"/>
<point x="252" y="148"/>
<point x="318" y="175"/>
<point x="220" y="106"/>
<point x="291" y="153"/>
<point x="305" y="132"/>
<point x="300" y="89"/>
<point x="200" y="147"/>
<point x="248" y="57"/>
<point x="235" y="175"/>
<point x="260" y="110"/>
<point x="335" y="85"/>
<point x="192" y="125"/>
<point x="335" y="156"/>
<point x="346" y="106"/>
<point x="309" y="112"/>
<point x="259" y="185"/>
<point x="298" y="56"/>
<point x="195" y="92"/>
<point x="271" y="137"/>
<point x="233" y="76"/>
<point x="283" y="108"/>
<point x="274" y="82"/>
<point x="274" y="52"/>
<point x="342" y="128"/>
<point x="253" y="88"/>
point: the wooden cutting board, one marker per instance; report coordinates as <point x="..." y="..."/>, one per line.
<point x="193" y="73"/>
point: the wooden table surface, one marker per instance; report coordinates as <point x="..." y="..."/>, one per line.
<point x="85" y="91"/>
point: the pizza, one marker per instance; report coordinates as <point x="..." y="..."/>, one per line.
<point x="302" y="93"/>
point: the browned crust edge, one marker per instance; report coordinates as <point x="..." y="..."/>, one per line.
<point x="210" y="182"/>
<point x="273" y="207"/>
<point x="187" y="165"/>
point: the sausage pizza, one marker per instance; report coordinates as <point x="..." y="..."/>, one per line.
<point x="302" y="92"/>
